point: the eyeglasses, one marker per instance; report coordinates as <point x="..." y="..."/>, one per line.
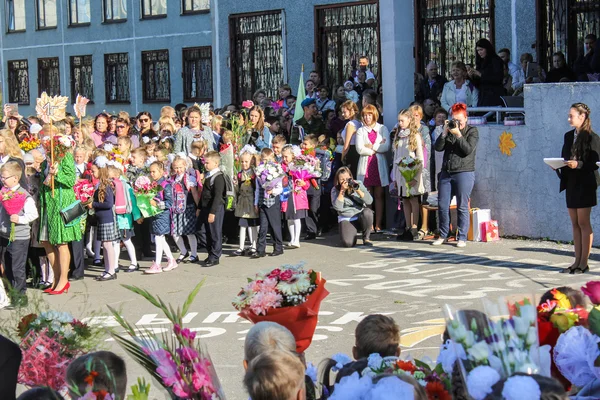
<point x="144" y="120"/>
<point x="120" y="126"/>
<point x="5" y="178"/>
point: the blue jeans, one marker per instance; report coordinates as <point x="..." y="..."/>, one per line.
<point x="461" y="184"/>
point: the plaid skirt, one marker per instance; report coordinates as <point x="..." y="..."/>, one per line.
<point x="108" y="232"/>
<point x="185" y="223"/>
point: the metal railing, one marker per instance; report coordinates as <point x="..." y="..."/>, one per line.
<point x="518" y="112"/>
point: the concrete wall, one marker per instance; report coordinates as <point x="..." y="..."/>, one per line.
<point x="521" y="190"/>
<point x="132" y="36"/>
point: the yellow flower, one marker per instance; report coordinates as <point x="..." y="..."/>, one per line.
<point x="506" y="143"/>
<point x="561" y="299"/>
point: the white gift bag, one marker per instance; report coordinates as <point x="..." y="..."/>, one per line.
<point x="479" y="217"/>
<point x="4" y="300"/>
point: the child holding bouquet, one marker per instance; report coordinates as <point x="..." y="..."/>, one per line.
<point x="298" y="200"/>
<point x="161" y="223"/>
<point x="17" y="212"/>
<point x="103" y="203"/>
<point x="127" y="211"/>
<point x="183" y="210"/>
<point x="407" y="171"/>
<point x="266" y="201"/>
<point x="137" y="168"/>
<point x="244" y="208"/>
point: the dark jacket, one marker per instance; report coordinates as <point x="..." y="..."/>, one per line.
<point x="431" y="92"/>
<point x="587" y="64"/>
<point x="104" y="210"/>
<point x="459" y="154"/>
<point x="10" y="359"/>
<point x="556" y="74"/>
<point x="586" y="172"/>
<point x="213" y="193"/>
<point x="161" y="223"/>
<point x="490" y="84"/>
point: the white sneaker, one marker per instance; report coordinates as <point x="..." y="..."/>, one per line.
<point x="439" y="241"/>
<point x="461" y="243"/>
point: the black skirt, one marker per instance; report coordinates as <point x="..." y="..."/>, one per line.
<point x="580" y="196"/>
<point x="351" y="160"/>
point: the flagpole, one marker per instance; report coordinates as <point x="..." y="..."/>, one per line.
<point x="51" y="156"/>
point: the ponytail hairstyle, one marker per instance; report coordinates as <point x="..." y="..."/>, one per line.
<point x="581" y="146"/>
<point x="412" y="127"/>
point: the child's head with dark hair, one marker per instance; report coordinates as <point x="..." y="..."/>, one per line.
<point x="376" y="334"/>
<point x="275" y="375"/>
<point x="310" y="142"/>
<point x="440" y="116"/>
<point x="40" y="393"/>
<point x="109" y="373"/>
<point x="575" y="296"/>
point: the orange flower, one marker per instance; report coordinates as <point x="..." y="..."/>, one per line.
<point x="437" y="391"/>
<point x="406" y="366"/>
<point x="90" y="378"/>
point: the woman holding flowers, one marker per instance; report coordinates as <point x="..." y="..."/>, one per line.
<point x="372" y="143"/>
<point x="54" y="234"/>
<point x="580" y="178"/>
<point x="459" y="144"/>
<point x="407" y="170"/>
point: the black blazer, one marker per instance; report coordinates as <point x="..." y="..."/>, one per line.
<point x="10" y="360"/>
<point x="431" y="92"/>
<point x="586" y="172"/>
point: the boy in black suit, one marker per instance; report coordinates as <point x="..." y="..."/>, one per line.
<point x="212" y="208"/>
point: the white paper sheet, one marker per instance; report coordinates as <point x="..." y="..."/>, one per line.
<point x="555" y="162"/>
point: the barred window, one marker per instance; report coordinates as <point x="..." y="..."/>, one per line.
<point x="154" y="8"/>
<point x="450" y="29"/>
<point x="197" y="74"/>
<point x="116" y="75"/>
<point x="155" y="76"/>
<point x="15" y="15"/>
<point x="195" y="6"/>
<point x="46" y="14"/>
<point x="79" y="12"/>
<point x="48" y="76"/>
<point x="115" y="10"/>
<point x="82" y="81"/>
<point x="18" y="82"/>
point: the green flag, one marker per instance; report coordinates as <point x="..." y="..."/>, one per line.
<point x="299" y="112"/>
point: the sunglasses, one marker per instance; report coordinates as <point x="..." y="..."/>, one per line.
<point x="120" y="126"/>
<point x="144" y="120"/>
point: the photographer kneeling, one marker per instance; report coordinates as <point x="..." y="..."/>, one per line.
<point x="350" y="199"/>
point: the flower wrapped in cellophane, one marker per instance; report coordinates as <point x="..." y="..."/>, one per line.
<point x="498" y="343"/>
<point x="290" y="295"/>
<point x="269" y="175"/>
<point x="305" y="168"/>
<point x="409" y="167"/>
<point x="13" y="202"/>
<point x="145" y="190"/>
<point x="175" y="359"/>
<point x="84" y="190"/>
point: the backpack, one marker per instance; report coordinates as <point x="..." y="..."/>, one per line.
<point x="229" y="197"/>
<point x="179" y="197"/>
<point x="326" y="164"/>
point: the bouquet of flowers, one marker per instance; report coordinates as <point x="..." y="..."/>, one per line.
<point x="13" y="203"/>
<point x="50" y="341"/>
<point x="269" y="174"/>
<point x="305" y="168"/>
<point x="63" y="144"/>
<point x="409" y="167"/>
<point x="175" y="359"/>
<point x="29" y="143"/>
<point x="145" y="190"/>
<point x="289" y="295"/>
<point x="84" y="190"/>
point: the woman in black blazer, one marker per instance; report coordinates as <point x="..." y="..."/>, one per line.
<point x="580" y="178"/>
<point x="488" y="76"/>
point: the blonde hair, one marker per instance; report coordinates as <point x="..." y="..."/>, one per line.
<point x="125" y="139"/>
<point x="370" y="109"/>
<point x="280" y="139"/>
<point x="216" y="119"/>
<point x="350" y="106"/>
<point x="12" y="145"/>
<point x="275" y="375"/>
<point x="412" y="127"/>
<point x="212" y="155"/>
<point x="198" y="145"/>
<point x="227" y="135"/>
<point x="165" y="110"/>
<point x="416" y="110"/>
<point x="13" y="167"/>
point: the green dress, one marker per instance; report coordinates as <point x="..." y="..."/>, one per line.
<point x="52" y="227"/>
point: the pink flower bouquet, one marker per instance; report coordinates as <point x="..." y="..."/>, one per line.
<point x="305" y="168"/>
<point x="290" y="296"/>
<point x="145" y="190"/>
<point x="13" y="202"/>
<point x="84" y="190"/>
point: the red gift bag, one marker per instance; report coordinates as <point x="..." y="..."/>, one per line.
<point x="490" y="231"/>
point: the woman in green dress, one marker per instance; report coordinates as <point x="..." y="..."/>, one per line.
<point x="54" y="235"/>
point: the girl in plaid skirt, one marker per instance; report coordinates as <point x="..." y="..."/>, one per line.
<point x="104" y="201"/>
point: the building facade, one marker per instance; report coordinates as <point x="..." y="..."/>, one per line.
<point x="141" y="55"/>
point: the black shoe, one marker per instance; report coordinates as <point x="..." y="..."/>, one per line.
<point x="211" y="263"/>
<point x="367" y="243"/>
<point x="258" y="255"/>
<point x="192" y="259"/>
<point x="237" y="253"/>
<point x="98" y="263"/>
<point x="106" y="276"/>
<point x="310" y="236"/>
<point x="182" y="258"/>
<point x="75" y="278"/>
<point x="136" y="267"/>
<point x="117" y="269"/>
<point x="319" y="232"/>
<point x="206" y="260"/>
<point x="577" y="271"/>
<point x="276" y="253"/>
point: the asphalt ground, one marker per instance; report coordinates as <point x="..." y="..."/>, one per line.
<point x="410" y="281"/>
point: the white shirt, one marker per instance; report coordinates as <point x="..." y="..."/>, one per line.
<point x="370" y="75"/>
<point x="461" y="94"/>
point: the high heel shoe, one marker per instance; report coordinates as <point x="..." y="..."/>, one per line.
<point x="65" y="289"/>
<point x="49" y="289"/>
<point x="580" y="270"/>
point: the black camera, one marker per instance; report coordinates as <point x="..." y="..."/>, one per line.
<point x="453" y="124"/>
<point x="353" y="184"/>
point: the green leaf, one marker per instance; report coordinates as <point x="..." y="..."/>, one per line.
<point x="423" y="365"/>
<point x="191" y="297"/>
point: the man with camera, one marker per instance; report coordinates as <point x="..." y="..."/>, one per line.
<point x="351" y="199"/>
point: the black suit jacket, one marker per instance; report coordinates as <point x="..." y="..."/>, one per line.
<point x="10" y="360"/>
<point x="587" y="171"/>
<point x="433" y="91"/>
